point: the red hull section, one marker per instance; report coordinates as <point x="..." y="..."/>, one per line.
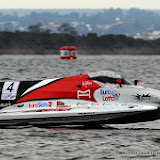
<point x="67" y="88"/>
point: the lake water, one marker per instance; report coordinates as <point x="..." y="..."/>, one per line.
<point x="129" y="141"/>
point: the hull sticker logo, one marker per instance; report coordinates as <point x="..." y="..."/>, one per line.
<point x="83" y="93"/>
<point x="3" y="105"/>
<point x="40" y="104"/>
<point x="145" y="97"/>
<point x="111" y="95"/>
<point x="86" y="83"/>
<point x="62" y="107"/>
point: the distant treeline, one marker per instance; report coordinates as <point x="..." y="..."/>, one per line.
<point x="49" y="43"/>
<point x="105" y="21"/>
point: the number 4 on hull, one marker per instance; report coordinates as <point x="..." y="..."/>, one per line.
<point x="9" y="91"/>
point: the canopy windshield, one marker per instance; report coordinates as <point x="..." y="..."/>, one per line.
<point x="109" y="80"/>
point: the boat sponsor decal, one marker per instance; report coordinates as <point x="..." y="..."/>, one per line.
<point x="60" y="103"/>
<point x="113" y="93"/>
<point x="95" y="104"/>
<point x="86" y="93"/>
<point x="9" y="91"/>
<point x="61" y="106"/>
<point x="109" y="98"/>
<point x="9" y="96"/>
<point x="110" y="95"/>
<point x="3" y="105"/>
<point x="40" y="104"/>
<point x="145" y="97"/>
<point x="86" y="83"/>
<point x="82" y="104"/>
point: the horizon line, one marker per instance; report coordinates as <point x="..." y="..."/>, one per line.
<point x="75" y="8"/>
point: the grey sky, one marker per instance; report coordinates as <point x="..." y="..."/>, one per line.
<point x="143" y="4"/>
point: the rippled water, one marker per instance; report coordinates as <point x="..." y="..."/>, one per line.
<point x="129" y="141"/>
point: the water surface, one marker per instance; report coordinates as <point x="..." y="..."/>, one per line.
<point x="129" y="141"/>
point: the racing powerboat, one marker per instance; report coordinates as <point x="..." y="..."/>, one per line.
<point x="95" y="98"/>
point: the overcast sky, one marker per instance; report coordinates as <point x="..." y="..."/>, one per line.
<point x="143" y="4"/>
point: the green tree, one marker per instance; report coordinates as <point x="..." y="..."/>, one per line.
<point x="35" y="28"/>
<point x="67" y="29"/>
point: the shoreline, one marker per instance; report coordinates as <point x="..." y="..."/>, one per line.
<point x="123" y="51"/>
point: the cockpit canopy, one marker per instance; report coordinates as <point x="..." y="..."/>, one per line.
<point x="109" y="80"/>
<point x="107" y="77"/>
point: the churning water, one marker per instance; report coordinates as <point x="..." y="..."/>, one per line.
<point x="129" y="141"/>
